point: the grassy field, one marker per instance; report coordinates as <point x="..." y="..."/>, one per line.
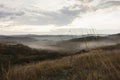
<point x="11" y="55"/>
<point x="97" y="64"/>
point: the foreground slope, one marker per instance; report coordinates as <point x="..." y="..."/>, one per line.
<point x="18" y="54"/>
<point x="97" y="64"/>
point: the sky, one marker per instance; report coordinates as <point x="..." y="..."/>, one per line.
<point x="59" y="16"/>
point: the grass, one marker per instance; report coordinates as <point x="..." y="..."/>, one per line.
<point x="97" y="64"/>
<point x="89" y="38"/>
<point x="11" y="55"/>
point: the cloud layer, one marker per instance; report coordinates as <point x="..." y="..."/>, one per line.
<point x="60" y="17"/>
<point x="58" y="13"/>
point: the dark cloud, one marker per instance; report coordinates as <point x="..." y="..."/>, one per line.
<point x="101" y="3"/>
<point x="1" y="6"/>
<point x="108" y="3"/>
<point x="6" y="12"/>
<point x="62" y="17"/>
<point x="86" y="1"/>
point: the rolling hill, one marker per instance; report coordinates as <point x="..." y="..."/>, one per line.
<point x="99" y="64"/>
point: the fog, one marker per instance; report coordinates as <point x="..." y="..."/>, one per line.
<point x="62" y="43"/>
<point x="70" y="46"/>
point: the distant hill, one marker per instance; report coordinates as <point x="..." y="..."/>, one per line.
<point x="115" y="35"/>
<point x="97" y="38"/>
<point x="61" y="42"/>
<point x="16" y="38"/>
<point x="30" y="38"/>
<point x="89" y="38"/>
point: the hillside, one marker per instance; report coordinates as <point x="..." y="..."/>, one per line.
<point x="16" y="39"/>
<point x="18" y="54"/>
<point x="62" y="43"/>
<point x="97" y="64"/>
<point x="97" y="38"/>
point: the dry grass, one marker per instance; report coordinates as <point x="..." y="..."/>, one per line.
<point x="95" y="65"/>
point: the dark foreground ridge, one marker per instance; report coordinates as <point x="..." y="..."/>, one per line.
<point x="102" y="63"/>
<point x="19" y="54"/>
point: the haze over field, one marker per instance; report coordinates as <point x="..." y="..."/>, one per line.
<point x="63" y="43"/>
<point x="59" y="39"/>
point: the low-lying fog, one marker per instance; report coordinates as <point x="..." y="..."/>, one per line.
<point x="61" y="43"/>
<point x="65" y="45"/>
<point x="68" y="46"/>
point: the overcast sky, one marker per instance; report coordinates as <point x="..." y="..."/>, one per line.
<point x="58" y="16"/>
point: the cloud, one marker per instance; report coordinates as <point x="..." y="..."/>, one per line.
<point x="108" y="3"/>
<point x="4" y="14"/>
<point x="8" y="13"/>
<point x="99" y="4"/>
<point x="60" y="13"/>
<point x="61" y="17"/>
<point x="30" y="16"/>
<point x="85" y="1"/>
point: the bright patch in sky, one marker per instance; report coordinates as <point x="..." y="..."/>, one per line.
<point x="107" y="19"/>
<point x="56" y="16"/>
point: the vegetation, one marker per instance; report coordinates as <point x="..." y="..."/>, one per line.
<point x="11" y="55"/>
<point x="89" y="38"/>
<point x="97" y="64"/>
